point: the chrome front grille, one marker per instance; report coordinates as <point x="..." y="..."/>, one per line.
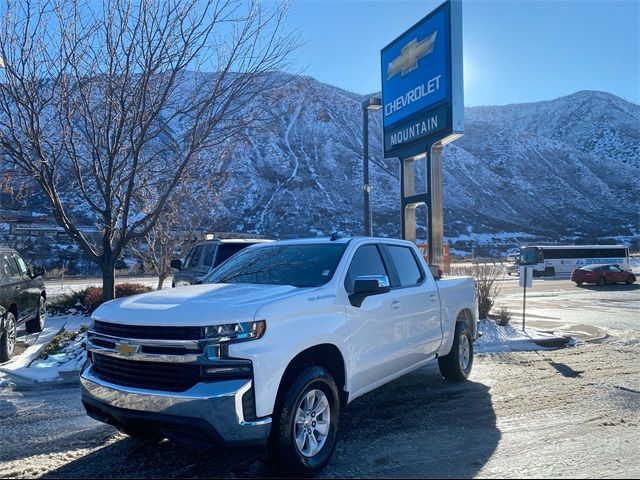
<point x="160" y="363"/>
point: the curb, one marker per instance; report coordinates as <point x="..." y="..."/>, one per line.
<point x="553" y="342"/>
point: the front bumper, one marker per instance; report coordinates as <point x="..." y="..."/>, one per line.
<point x="208" y="413"/>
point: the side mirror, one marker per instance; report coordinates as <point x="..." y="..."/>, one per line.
<point x="176" y="263"/>
<point x="367" y="285"/>
<point x="36" y="270"/>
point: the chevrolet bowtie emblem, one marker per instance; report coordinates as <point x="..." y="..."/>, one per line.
<point x="407" y="61"/>
<point x="127" y="349"/>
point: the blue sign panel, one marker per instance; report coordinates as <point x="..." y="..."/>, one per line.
<point x="417" y="85"/>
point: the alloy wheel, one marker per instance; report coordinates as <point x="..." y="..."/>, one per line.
<point x="465" y="352"/>
<point x="11" y="334"/>
<point x="312" y="422"/>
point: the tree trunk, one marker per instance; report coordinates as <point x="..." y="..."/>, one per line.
<point x="161" y="280"/>
<point x="108" y="281"/>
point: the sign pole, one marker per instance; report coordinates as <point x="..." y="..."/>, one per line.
<point x="524" y="296"/>
<point x="436" y="227"/>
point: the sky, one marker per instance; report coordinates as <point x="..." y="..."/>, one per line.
<point x="514" y="50"/>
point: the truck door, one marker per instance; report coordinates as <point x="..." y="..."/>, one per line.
<point x="376" y="330"/>
<point x="419" y="302"/>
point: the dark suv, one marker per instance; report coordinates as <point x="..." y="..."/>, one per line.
<point x="206" y="255"/>
<point x="22" y="299"/>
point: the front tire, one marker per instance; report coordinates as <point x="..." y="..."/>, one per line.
<point x="35" y="325"/>
<point x="8" y="339"/>
<point x="601" y="281"/>
<point x="456" y="365"/>
<point x="631" y="279"/>
<point x="303" y="435"/>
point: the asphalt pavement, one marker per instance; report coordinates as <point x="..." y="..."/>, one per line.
<point x="614" y="309"/>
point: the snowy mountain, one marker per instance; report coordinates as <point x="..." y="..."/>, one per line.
<point x="561" y="170"/>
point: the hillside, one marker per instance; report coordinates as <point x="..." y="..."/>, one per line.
<point x="561" y="170"/>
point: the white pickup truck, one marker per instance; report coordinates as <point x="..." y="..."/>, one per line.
<point x="274" y="343"/>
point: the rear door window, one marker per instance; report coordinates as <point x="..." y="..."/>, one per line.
<point x="366" y="261"/>
<point x="409" y="274"/>
<point x="6" y="272"/>
<point x="227" y="250"/>
<point x="10" y="265"/>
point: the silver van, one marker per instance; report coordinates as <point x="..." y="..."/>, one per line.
<point x="205" y="256"/>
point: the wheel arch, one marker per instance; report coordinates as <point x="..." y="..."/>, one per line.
<point x="325" y="355"/>
<point x="466" y="316"/>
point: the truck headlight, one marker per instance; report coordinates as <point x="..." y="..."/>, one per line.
<point x="236" y="332"/>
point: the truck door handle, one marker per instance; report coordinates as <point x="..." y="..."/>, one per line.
<point x="395" y="304"/>
<point x="433" y="297"/>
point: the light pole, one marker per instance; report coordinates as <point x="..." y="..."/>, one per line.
<point x="371" y="103"/>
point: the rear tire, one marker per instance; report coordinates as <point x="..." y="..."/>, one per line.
<point x="631" y="279"/>
<point x="456" y="365"/>
<point x="579" y="284"/>
<point x="8" y="339"/>
<point x="36" y="324"/>
<point x="291" y="447"/>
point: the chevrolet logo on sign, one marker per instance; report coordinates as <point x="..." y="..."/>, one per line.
<point x="407" y="61"/>
<point x="126" y="349"/>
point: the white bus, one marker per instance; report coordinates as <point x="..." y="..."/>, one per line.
<point x="549" y="260"/>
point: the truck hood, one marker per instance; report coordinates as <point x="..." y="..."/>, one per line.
<point x="196" y="305"/>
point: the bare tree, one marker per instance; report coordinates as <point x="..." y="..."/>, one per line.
<point x="105" y="105"/>
<point x="488" y="278"/>
<point x="176" y="227"/>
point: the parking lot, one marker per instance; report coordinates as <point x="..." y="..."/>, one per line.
<point x="573" y="412"/>
<point x="568" y="413"/>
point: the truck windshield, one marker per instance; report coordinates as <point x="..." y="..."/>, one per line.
<point x="300" y="265"/>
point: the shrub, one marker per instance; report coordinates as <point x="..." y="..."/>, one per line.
<point x="90" y="298"/>
<point x="58" y="342"/>
<point x="66" y="302"/>
<point x="503" y="317"/>
<point x="488" y="279"/>
<point x="93" y="295"/>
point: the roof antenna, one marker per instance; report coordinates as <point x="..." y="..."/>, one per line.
<point x="335" y="236"/>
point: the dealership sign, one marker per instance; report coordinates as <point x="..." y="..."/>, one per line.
<point x="422" y="92"/>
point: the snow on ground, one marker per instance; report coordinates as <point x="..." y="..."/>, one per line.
<point x="28" y="365"/>
<point x="497" y="339"/>
<point x="634" y="263"/>
<point x="69" y="359"/>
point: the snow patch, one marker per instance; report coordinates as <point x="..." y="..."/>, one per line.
<point x="497" y="339"/>
<point x="70" y="358"/>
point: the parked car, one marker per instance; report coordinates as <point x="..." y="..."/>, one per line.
<point x="602" y="275"/>
<point x="513" y="269"/>
<point x="22" y="299"/>
<point x="205" y="256"/>
<point x="274" y="343"/>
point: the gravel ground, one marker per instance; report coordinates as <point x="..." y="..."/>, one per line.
<point x="566" y="413"/>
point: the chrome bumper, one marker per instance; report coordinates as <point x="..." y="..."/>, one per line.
<point x="214" y="409"/>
